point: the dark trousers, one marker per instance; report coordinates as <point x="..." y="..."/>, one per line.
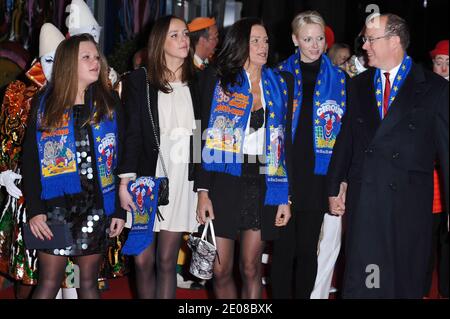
<point x="294" y="259"/>
<point x="439" y="255"/>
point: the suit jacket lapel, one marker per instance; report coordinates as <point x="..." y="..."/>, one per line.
<point x="403" y="103"/>
<point x="369" y="110"/>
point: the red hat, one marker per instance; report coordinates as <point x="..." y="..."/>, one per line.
<point x="440" y="49"/>
<point x="329" y="36"/>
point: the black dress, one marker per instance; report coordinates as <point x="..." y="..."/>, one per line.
<point x="253" y="184"/>
<point x="87" y="223"/>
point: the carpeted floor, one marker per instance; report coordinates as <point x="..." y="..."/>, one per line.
<point x="120" y="289"/>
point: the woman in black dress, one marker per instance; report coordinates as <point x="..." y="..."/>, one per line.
<point x="70" y="153"/>
<point x="244" y="105"/>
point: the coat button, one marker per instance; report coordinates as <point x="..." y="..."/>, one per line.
<point x="393" y="186"/>
<point x="411" y="126"/>
<point x="368" y="151"/>
<point x="395" y="155"/>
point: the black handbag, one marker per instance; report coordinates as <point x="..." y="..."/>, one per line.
<point x="62" y="237"/>
<point x="163" y="191"/>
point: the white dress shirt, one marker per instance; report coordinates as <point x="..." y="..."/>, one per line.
<point x="198" y="61"/>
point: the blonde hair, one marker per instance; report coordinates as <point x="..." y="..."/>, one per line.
<point x="307" y="17"/>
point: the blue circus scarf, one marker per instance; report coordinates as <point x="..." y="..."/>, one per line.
<point x="329" y="104"/>
<point x="58" y="162"/>
<point x="399" y="80"/>
<point x="144" y="191"/>
<point x="226" y="132"/>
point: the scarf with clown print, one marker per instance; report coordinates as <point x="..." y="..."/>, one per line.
<point x="144" y="191"/>
<point x="329" y="104"/>
<point x="58" y="162"/>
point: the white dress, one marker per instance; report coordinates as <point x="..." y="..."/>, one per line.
<point x="176" y="122"/>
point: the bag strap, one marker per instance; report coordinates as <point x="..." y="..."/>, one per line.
<point x="209" y="224"/>
<point x="153" y="123"/>
<point x="213" y="234"/>
<point x="205" y="229"/>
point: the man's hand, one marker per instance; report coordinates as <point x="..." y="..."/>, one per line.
<point x="204" y="205"/>
<point x="7" y="179"/>
<point x="337" y="203"/>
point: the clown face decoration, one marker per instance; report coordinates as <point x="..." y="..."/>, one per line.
<point x="47" y="64"/>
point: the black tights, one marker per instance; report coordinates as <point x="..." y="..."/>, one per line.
<point x="51" y="275"/>
<point x="250" y="266"/>
<point x="163" y="284"/>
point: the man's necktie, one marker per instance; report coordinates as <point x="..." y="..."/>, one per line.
<point x="387" y="93"/>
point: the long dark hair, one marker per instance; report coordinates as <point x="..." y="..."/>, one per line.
<point x="64" y="84"/>
<point x="158" y="72"/>
<point x="235" y="52"/>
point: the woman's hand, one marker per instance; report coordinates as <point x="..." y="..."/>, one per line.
<point x="204" y="205"/>
<point x="126" y="200"/>
<point x="39" y="227"/>
<point x="283" y="215"/>
<point x="337" y="203"/>
<point x="116" y="227"/>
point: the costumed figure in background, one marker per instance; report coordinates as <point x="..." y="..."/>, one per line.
<point x="81" y="20"/>
<point x="15" y="260"/>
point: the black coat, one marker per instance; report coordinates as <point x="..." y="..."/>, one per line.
<point x="140" y="151"/>
<point x="389" y="168"/>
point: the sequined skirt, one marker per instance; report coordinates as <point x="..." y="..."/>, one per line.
<point x="89" y="229"/>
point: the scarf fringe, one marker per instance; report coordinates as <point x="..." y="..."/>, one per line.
<point x="322" y="163"/>
<point x="109" y="203"/>
<point x="277" y="195"/>
<point x="234" y="170"/>
<point x="59" y="187"/>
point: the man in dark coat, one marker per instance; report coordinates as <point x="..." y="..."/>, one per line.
<point x="396" y="124"/>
